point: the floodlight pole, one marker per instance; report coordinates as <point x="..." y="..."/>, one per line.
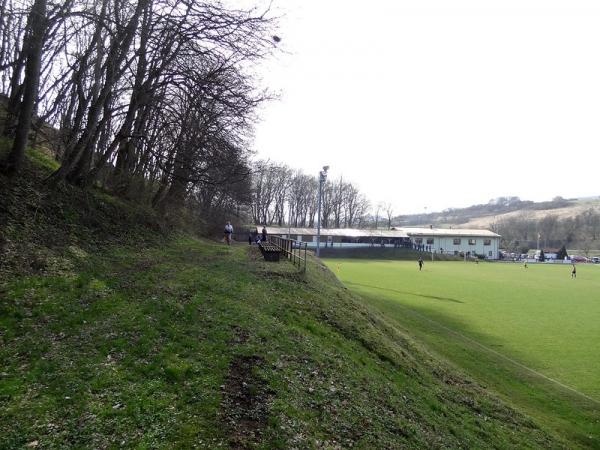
<point x="322" y="178"/>
<point x="290" y="221"/>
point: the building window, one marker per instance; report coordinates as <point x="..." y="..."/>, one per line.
<point x="472" y="241"/>
<point x="456" y="241"/>
<point x="418" y="241"/>
<point x="429" y="241"/>
<point x="487" y="242"/>
<point x="490" y="253"/>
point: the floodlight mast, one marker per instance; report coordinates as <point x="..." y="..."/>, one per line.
<point x="322" y="179"/>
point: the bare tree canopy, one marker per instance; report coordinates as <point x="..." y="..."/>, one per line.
<point x="521" y="232"/>
<point x="153" y="99"/>
<point x="282" y="196"/>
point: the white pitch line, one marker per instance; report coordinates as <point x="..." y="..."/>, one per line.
<point x="491" y="350"/>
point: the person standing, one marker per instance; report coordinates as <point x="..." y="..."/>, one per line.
<point x="574" y="272"/>
<point x="228" y="232"/>
<point x="420" y="263"/>
<point x="264" y="234"/>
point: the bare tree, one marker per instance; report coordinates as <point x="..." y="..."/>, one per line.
<point x="547" y="226"/>
<point x="389" y="211"/>
<point x="31" y="54"/>
<point x="280" y="195"/>
<point x="378" y="209"/>
<point x="302" y="192"/>
<point x="586" y="245"/>
<point x="591" y="221"/>
<point x="282" y="181"/>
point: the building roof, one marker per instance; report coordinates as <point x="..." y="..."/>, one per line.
<point x="393" y="233"/>
<point x="346" y="232"/>
<point x="414" y="231"/>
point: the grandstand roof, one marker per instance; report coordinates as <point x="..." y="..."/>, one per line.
<point x="396" y="232"/>
<point x="347" y="232"/>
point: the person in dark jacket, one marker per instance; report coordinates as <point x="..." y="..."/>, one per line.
<point x="264" y="234"/>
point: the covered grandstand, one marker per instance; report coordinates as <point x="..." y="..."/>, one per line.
<point x="435" y="240"/>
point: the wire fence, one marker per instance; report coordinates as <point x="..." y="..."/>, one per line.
<point x="294" y="250"/>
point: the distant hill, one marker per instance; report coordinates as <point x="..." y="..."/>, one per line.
<point x="485" y="215"/>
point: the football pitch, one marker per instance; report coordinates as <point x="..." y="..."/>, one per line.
<point x="530" y="334"/>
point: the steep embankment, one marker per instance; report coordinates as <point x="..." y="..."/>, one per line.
<point x="194" y="343"/>
<point x="42" y="229"/>
<point x="188" y="343"/>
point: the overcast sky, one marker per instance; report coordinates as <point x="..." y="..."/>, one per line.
<point x="436" y="104"/>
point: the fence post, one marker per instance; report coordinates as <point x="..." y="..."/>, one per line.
<point x="305" y="245"/>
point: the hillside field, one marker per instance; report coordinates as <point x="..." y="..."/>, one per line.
<point x="572" y="210"/>
<point x="531" y="334"/>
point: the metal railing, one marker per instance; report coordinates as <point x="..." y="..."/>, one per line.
<point x="295" y="251"/>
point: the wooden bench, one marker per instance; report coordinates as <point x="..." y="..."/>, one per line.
<point x="270" y="252"/>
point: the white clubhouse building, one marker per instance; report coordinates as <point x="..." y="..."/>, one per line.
<point x="452" y="241"/>
<point x="457" y="240"/>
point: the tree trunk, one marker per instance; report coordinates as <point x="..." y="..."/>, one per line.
<point x="34" y="45"/>
<point x="116" y="55"/>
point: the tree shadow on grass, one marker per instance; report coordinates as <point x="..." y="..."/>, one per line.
<point x="395" y="291"/>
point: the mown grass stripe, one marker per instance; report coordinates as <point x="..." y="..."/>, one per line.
<point x="497" y="353"/>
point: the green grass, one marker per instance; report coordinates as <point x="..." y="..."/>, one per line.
<point x="153" y="347"/>
<point x="478" y="315"/>
<point x="42" y="160"/>
<point x="383" y="253"/>
<point x="113" y="335"/>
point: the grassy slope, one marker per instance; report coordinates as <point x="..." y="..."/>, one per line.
<point x="41" y="229"/>
<point x="152" y="347"/>
<point x="112" y="337"/>
<point x="537" y="316"/>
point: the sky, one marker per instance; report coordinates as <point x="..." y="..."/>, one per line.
<point x="433" y="104"/>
